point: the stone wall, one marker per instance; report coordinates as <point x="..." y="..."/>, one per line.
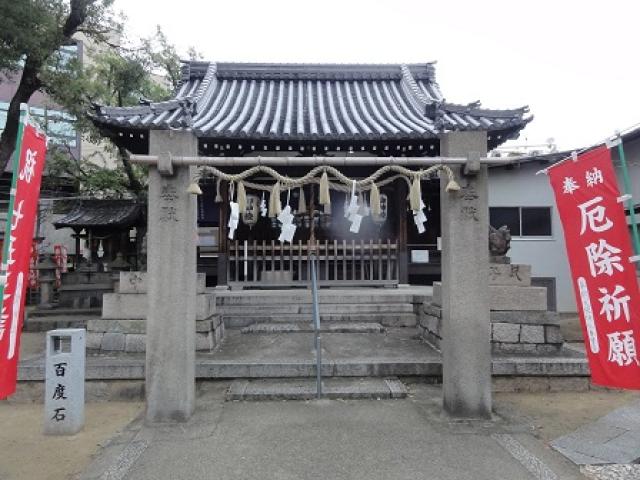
<point x="122" y="327"/>
<point x="520" y="322"/>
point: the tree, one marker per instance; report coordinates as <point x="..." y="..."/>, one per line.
<point x="117" y="76"/>
<point x="120" y="74"/>
<point x="30" y="39"/>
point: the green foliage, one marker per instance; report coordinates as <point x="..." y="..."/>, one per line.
<point x="34" y="29"/>
<point x="117" y="73"/>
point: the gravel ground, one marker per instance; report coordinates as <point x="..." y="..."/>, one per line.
<point x="27" y="454"/>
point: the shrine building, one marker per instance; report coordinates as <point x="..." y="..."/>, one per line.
<point x="370" y="115"/>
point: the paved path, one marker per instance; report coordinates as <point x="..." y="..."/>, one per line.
<point x="366" y="439"/>
<point x="613" y="439"/>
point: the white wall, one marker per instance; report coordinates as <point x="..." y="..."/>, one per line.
<point x="521" y="187"/>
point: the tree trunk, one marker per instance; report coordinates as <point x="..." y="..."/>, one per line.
<point x="134" y="184"/>
<point x="29" y="83"/>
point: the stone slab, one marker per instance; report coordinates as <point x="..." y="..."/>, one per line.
<point x="526" y="317"/>
<point x="510" y="274"/>
<point x="325" y="296"/>
<point x="135" y="342"/>
<point x="505" y="332"/>
<point x="437" y="294"/>
<point x="614" y="438"/>
<point x="306" y="389"/>
<point x="136" y="282"/>
<point x="346" y="327"/>
<point x="611" y="472"/>
<point x="432" y="309"/>
<point x="507" y="297"/>
<point x="385" y="319"/>
<point x="127" y="306"/>
<point x="303" y="308"/>
<point x="532" y="334"/>
<point x="94" y="340"/>
<point x="117" y="326"/>
<point x="553" y="334"/>
<point x="136" y="326"/>
<point x="113" y="341"/>
<point x="517" y="298"/>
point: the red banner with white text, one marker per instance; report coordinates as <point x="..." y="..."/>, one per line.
<point x="604" y="279"/>
<point x="17" y="255"/>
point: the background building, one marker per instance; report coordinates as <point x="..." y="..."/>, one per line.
<point x="524" y="201"/>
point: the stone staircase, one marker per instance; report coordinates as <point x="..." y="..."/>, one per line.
<point x="122" y="326"/>
<point x="386" y="307"/>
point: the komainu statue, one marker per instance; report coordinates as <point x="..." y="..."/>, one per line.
<point x="499" y="241"/>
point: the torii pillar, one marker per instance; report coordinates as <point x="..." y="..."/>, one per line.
<point x="466" y="327"/>
<point x="171" y="281"/>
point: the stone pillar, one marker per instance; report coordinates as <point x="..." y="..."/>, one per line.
<point x="466" y="345"/>
<point x="171" y="267"/>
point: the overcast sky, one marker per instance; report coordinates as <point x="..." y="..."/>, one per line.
<point x="573" y="62"/>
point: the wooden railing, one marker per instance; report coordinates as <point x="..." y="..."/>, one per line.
<point x="268" y="264"/>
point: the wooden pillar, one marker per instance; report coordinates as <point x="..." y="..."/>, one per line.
<point x="401" y="209"/>
<point x="223" y="242"/>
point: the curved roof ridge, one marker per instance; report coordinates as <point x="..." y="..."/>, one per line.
<point x="206" y="81"/>
<point x="415" y="94"/>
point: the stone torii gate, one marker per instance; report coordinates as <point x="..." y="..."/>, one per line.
<point x="171" y="259"/>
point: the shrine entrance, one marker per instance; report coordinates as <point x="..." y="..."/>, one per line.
<point x="388" y="249"/>
<point x="229" y="118"/>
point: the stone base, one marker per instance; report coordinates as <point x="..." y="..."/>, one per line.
<point x="110" y="335"/>
<point x="507" y="297"/>
<point x="512" y="332"/>
<point x="122" y="327"/>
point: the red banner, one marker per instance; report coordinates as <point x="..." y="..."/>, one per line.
<point x="15" y="262"/>
<point x="599" y="248"/>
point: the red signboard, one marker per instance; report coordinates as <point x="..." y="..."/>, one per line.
<point x="604" y="279"/>
<point x="15" y="262"/>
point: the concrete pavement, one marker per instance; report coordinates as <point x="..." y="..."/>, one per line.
<point x="330" y="439"/>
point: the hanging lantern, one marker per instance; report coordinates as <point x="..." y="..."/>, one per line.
<point x="251" y="210"/>
<point x="381" y="216"/>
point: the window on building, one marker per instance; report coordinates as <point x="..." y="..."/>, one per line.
<point x="59" y="126"/>
<point x="522" y="221"/>
<point x="509" y="216"/>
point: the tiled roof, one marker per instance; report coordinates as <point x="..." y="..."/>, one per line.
<point x="311" y="102"/>
<point x="102" y="213"/>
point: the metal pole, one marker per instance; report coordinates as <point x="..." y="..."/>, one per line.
<point x="627" y="190"/>
<point x="316" y="326"/>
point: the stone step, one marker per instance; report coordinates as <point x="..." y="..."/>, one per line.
<point x="308" y="328"/>
<point x="386" y="319"/>
<point x="134" y="306"/>
<point x="242" y="310"/>
<point x="288" y="297"/>
<point x="136" y="282"/>
<point x="59" y="312"/>
<point x="136" y="325"/>
<point x="43" y="324"/>
<point x="306" y="389"/>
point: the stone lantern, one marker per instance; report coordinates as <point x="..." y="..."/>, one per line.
<point x="118" y="265"/>
<point x="47" y="276"/>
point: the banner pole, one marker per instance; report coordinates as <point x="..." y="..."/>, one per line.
<point x="15" y="163"/>
<point x="627" y="190"/>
